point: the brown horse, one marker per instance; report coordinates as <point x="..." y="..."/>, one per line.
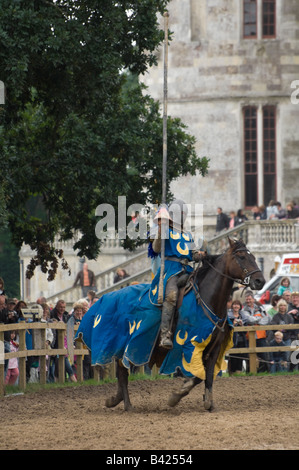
<point x="214" y="279"/>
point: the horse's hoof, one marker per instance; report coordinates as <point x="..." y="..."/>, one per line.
<point x="174" y="399"/>
<point x="112" y="401"/>
<point x="128" y="407"/>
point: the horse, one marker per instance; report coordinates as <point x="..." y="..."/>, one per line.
<point x="212" y="283"/>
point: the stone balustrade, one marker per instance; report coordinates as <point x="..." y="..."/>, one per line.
<point x="267" y="239"/>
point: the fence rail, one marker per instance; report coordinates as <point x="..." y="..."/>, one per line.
<point x="252" y="350"/>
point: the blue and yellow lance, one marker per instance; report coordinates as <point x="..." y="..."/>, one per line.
<point x="164" y="167"/>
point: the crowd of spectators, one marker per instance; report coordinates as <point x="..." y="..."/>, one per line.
<point x="244" y="310"/>
<point x="11" y="313"/>
<point x="274" y="210"/>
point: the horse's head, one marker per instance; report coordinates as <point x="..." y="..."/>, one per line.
<point x="242" y="266"/>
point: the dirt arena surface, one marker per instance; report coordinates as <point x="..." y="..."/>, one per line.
<point x="252" y="413"/>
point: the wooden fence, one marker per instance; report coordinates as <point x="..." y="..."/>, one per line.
<point x="79" y="351"/>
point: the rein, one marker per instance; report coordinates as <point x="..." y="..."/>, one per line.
<point x="245" y="282"/>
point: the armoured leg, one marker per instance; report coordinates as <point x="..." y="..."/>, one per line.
<point x="168" y="310"/>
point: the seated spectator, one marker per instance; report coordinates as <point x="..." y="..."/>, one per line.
<point x="278" y="359"/>
<point x="120" y="275"/>
<point x="285" y="284"/>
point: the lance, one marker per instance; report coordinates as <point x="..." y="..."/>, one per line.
<point x="164" y="165"/>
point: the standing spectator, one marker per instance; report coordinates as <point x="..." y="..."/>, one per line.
<point x="87" y="280"/>
<point x="13" y="365"/>
<point x="232" y="219"/>
<point x="256" y="213"/>
<point x="273" y="310"/>
<point x="272" y="210"/>
<point x="278" y="359"/>
<point x="2" y="291"/>
<point x="292" y="211"/>
<point x="21" y="304"/>
<point x="282" y="213"/>
<point x="238" y="318"/>
<point x="287" y="296"/>
<point x="59" y="313"/>
<point x="258" y="316"/>
<point x="240" y="218"/>
<point x="90" y="296"/>
<point x="222" y="222"/>
<point x="294" y="312"/>
<point x="283" y="318"/>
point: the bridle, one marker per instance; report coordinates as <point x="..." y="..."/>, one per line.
<point x="246" y="281"/>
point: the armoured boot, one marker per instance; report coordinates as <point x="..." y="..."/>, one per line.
<point x="167" y="313"/>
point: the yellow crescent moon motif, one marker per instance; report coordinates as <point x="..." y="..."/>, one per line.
<point x="154" y="290"/>
<point x="97" y="320"/>
<point x="181" y="250"/>
<point x="174" y="236"/>
<point x="180" y="340"/>
<point x="132" y="328"/>
<point x="187" y="238"/>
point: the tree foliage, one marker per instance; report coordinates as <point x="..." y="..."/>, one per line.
<point x="74" y="132"/>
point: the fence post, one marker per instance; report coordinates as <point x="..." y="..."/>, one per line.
<point x="22" y="360"/>
<point x="42" y="359"/>
<point x="79" y="361"/>
<point x="61" y="358"/>
<point x="252" y="356"/>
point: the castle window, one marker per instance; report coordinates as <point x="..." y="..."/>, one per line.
<point x="269" y="18"/>
<point x="259" y="155"/>
<point x="250" y="156"/>
<point x="259" y="19"/>
<point x="250" y="19"/>
<point x="269" y="152"/>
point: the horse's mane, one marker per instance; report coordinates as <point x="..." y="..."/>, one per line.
<point x="211" y="259"/>
<point x="204" y="268"/>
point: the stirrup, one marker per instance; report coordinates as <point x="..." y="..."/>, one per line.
<point x="165" y="341"/>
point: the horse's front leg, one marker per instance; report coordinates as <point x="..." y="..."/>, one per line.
<point x="210" y="362"/>
<point x="122" y="389"/>
<point x="188" y="385"/>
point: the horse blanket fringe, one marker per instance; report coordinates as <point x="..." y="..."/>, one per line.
<point x="125" y="325"/>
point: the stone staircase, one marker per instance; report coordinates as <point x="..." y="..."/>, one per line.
<point x="267" y="239"/>
<point x="138" y="266"/>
